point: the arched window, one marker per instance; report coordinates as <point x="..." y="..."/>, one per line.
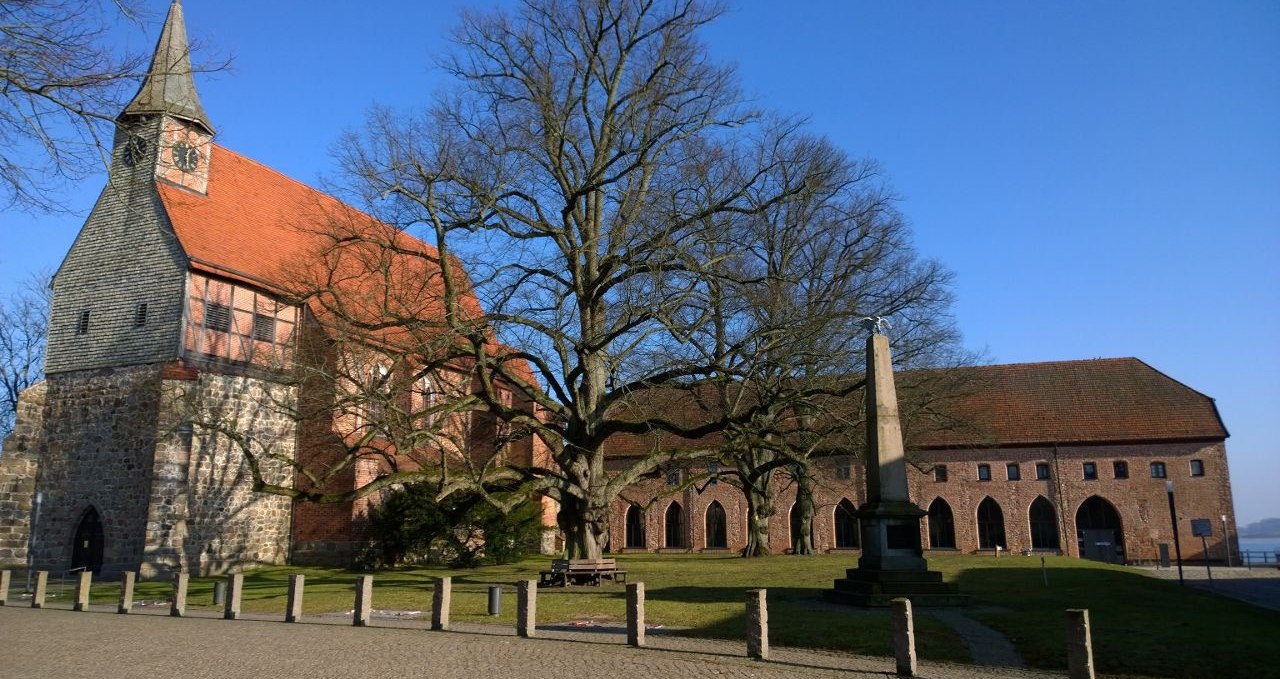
<point x="990" y="525"/>
<point x="1044" y="524"/>
<point x="425" y="397"/>
<point x="846" y="526"/>
<point x="1099" y="532"/>
<point x="377" y="391"/>
<point x="635" y="527"/>
<point x="717" y="532"/>
<point x="86" y="551"/>
<point x="942" y="527"/>
<point x="675" y="526"/>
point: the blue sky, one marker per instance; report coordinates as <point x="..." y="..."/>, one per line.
<point x="1103" y="178"/>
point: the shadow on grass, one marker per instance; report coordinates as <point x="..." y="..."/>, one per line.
<point x="1140" y="625"/>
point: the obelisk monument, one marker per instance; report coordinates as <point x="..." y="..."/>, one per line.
<point x="892" y="562"/>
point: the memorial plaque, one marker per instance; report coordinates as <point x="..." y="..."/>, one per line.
<point x="1202" y="528"/>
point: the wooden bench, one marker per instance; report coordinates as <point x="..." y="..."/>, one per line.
<point x="581" y="572"/>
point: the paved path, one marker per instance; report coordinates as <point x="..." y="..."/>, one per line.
<point x="100" y="644"/>
<point x="1259" y="586"/>
<point x="986" y="646"/>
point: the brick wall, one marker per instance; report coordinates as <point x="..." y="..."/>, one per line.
<point x="1140" y="501"/>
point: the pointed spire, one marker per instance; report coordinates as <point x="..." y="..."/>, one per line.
<point x="169" y="87"/>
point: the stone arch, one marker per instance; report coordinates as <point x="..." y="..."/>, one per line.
<point x="942" y="525"/>
<point x="633" y="527"/>
<point x="1043" y="521"/>
<point x="990" y="525"/>
<point x="88" y="542"/>
<point x="717" y="529"/>
<point x="846" y="522"/>
<point x="674" y="527"/>
<point x="1099" y="530"/>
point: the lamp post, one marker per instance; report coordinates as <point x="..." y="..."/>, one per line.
<point x="1226" y="539"/>
<point x="1173" y="518"/>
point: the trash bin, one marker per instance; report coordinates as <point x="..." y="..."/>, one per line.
<point x="219" y="592"/>
<point x="495" y="599"/>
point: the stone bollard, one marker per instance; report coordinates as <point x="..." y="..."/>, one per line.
<point x="127" y="579"/>
<point x="364" y="601"/>
<point x="178" y="608"/>
<point x="5" y="577"/>
<point x="293" y="606"/>
<point x="1079" y="645"/>
<point x="42" y="589"/>
<point x="635" y="614"/>
<point x="526" y="608"/>
<point x="83" y="583"/>
<point x="235" y="586"/>
<point x="441" y="599"/>
<point x="757" y="625"/>
<point x="904" y="636"/>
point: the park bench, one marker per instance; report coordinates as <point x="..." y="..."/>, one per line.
<point x="580" y="572"/>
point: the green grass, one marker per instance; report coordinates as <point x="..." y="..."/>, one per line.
<point x="1141" y="626"/>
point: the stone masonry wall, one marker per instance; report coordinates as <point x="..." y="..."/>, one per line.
<point x="204" y="514"/>
<point x="19" y="465"/>
<point x="99" y="439"/>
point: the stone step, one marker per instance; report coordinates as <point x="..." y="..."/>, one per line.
<point x="893" y="576"/>
<point x="882" y="600"/>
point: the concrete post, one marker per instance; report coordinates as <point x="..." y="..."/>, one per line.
<point x="42" y="589"/>
<point x="441" y="599"/>
<point x="757" y="625"/>
<point x="526" y="608"/>
<point x="635" y="614"/>
<point x="364" y="601"/>
<point x="5" y="577"/>
<point x="83" y="583"/>
<point x="127" y="579"/>
<point x="293" y="606"/>
<point x="904" y="636"/>
<point x="235" y="585"/>
<point x="179" y="606"/>
<point x="1079" y="645"/>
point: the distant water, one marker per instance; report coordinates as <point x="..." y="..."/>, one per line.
<point x="1268" y="546"/>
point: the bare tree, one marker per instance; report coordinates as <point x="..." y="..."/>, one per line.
<point x="62" y="86"/>
<point x="24" y="326"/>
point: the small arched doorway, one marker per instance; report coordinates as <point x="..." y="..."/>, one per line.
<point x="1044" y="524"/>
<point x="86" y="551"/>
<point x="716" y="525"/>
<point x="990" y="525"/>
<point x="1099" y="532"/>
<point x="846" y="526"/>
<point x="634" y="533"/>
<point x="942" y="525"/>
<point x="675" y="527"/>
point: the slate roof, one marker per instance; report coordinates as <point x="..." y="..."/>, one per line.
<point x="168" y="86"/>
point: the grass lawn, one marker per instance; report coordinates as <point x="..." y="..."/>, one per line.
<point x="1141" y="626"/>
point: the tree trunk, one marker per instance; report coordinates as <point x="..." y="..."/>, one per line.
<point x="802" y="535"/>
<point x="759" y="510"/>
<point x="585" y="526"/>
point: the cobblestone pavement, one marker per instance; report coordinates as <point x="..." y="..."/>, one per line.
<point x="100" y="644"/>
<point x="1259" y="585"/>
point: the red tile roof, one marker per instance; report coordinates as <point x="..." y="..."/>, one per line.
<point x="1117" y="400"/>
<point x="1108" y="400"/>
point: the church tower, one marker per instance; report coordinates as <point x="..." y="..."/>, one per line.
<point x="164" y="128"/>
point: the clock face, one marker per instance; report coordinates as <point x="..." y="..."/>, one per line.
<point x="135" y="150"/>
<point x="185" y="156"/>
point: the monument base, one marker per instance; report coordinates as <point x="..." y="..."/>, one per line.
<point x="868" y="588"/>
<point x="892" y="563"/>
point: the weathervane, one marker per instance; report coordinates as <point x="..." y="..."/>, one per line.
<point x="876" y="324"/>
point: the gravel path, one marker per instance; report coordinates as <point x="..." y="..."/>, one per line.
<point x="986" y="646"/>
